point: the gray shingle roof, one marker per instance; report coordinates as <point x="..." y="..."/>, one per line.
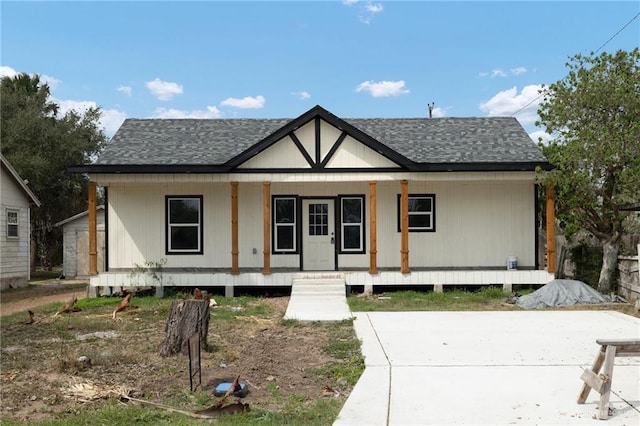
<point x="204" y="142"/>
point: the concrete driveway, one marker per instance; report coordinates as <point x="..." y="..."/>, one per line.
<point x="488" y="368"/>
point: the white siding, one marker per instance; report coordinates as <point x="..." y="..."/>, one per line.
<point x="328" y="137"/>
<point x="307" y="137"/>
<point x="282" y="154"/>
<point x="479" y="224"/>
<point x="14" y="252"/>
<point x="353" y="154"/>
<point x="137" y="225"/>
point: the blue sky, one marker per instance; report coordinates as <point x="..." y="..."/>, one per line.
<point x="267" y="59"/>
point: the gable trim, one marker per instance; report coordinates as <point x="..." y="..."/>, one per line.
<point x="303" y="151"/>
<point x="333" y="149"/>
<point x="317" y="113"/>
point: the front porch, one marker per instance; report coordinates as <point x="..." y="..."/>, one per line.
<point x="109" y="282"/>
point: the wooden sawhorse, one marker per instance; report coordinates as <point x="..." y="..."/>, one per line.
<point x="601" y="382"/>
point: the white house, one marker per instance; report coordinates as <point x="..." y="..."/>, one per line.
<point x="258" y="202"/>
<point x="16" y="200"/>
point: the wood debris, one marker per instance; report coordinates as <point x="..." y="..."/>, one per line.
<point x="68" y="307"/>
<point x="31" y="318"/>
<point x="123" y="304"/>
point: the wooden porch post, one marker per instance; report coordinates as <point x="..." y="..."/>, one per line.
<point x="373" y="231"/>
<point x="235" y="270"/>
<point x="404" y="227"/>
<point x="93" y="230"/>
<point x="551" y="230"/>
<point x="266" y="193"/>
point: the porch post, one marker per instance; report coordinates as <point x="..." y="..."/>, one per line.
<point x="404" y="227"/>
<point x="93" y="231"/>
<point x="551" y="230"/>
<point x="373" y="231"/>
<point x="235" y="270"/>
<point x="266" y="193"/>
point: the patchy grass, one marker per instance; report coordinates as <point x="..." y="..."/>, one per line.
<point x="286" y="363"/>
<point x="485" y="299"/>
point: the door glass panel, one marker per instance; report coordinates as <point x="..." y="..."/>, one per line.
<point x="318" y="219"/>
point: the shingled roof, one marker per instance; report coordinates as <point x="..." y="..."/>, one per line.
<point x="487" y="143"/>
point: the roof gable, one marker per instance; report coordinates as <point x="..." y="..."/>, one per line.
<point x="316" y="142"/>
<point x="19" y="181"/>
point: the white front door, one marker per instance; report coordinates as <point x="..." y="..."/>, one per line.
<point x="318" y="235"/>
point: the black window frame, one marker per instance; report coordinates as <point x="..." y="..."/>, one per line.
<point x="296" y="225"/>
<point x="433" y="213"/>
<point x="200" y="249"/>
<point x="363" y="228"/>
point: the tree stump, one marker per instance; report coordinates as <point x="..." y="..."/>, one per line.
<point x="186" y="317"/>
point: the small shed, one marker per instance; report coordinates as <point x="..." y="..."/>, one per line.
<point x="75" y="255"/>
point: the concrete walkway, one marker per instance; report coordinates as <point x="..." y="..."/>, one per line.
<point x="488" y="368"/>
<point x="318" y="299"/>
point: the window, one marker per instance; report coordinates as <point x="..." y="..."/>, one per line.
<point x="12" y="223"/>
<point x="422" y="213"/>
<point x="352" y="224"/>
<point x="318" y="219"/>
<point x="184" y="225"/>
<point x="284" y="225"/>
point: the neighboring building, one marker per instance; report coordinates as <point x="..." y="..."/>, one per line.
<point x="75" y="237"/>
<point x="258" y="202"/>
<point x="16" y="200"/>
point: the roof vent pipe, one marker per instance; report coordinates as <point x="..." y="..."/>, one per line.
<point x="431" y="109"/>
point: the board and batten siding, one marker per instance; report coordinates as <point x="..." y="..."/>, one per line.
<point x="14" y="257"/>
<point x="479" y="224"/>
<point x="137" y="225"/>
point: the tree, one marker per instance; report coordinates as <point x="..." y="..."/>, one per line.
<point x="594" y="115"/>
<point x="41" y="145"/>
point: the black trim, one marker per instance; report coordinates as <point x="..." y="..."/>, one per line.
<point x="316" y="113"/>
<point x="219" y="169"/>
<point x="301" y="148"/>
<point x="433" y="213"/>
<point x="363" y="224"/>
<point x="297" y="228"/>
<point x="535" y="225"/>
<point x="335" y="221"/>
<point x="333" y="149"/>
<point x="106" y="229"/>
<point x="149" y="168"/>
<point x="166" y="226"/>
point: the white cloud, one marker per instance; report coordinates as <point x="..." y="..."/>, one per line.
<point x="7" y="72"/>
<point x="127" y="90"/>
<point x="245" y="103"/>
<point x="210" y="112"/>
<point x="110" y="119"/>
<point x="367" y="9"/>
<point x="163" y="90"/>
<point x="540" y="134"/>
<point x="301" y="95"/>
<point x="499" y="72"/>
<point x="509" y="102"/>
<point x="10" y="72"/>
<point x="51" y="81"/>
<point x="383" y="88"/>
<point x="438" y="112"/>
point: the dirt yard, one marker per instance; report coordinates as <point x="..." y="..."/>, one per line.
<point x="41" y="363"/>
